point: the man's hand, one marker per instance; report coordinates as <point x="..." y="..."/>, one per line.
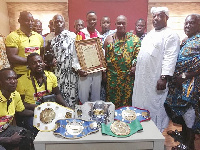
<point x="82" y="73"/>
<point x="161" y="84"/>
<point x="15" y="138"/>
<point x="132" y="71"/>
<point x="179" y="81"/>
<point x="104" y="77"/>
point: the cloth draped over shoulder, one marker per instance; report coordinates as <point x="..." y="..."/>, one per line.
<point x="63" y="48"/>
<point x="180" y="100"/>
<point x="120" y="56"/>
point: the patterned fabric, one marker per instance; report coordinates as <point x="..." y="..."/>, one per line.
<point x="63" y="47"/>
<point x="188" y="61"/>
<point x="4" y="60"/>
<point x="103" y="85"/>
<point x="120" y="56"/>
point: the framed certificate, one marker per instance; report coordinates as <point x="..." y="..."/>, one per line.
<point x="90" y="55"/>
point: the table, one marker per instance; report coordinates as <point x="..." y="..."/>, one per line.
<point x="149" y="138"/>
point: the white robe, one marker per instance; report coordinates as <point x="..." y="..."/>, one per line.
<point x="157" y="56"/>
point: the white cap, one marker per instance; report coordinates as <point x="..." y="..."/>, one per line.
<point x="160" y="9"/>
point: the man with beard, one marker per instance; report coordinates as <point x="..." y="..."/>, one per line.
<point x="183" y="97"/>
<point x="140" y="26"/>
<point x="10" y="104"/>
<point x="121" y="49"/>
<point x="88" y="83"/>
<point x="35" y="84"/>
<point x="20" y="43"/>
<point x="62" y="46"/>
<point x="155" y="64"/>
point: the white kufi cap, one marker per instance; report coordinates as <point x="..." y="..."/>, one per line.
<point x="160" y="9"/>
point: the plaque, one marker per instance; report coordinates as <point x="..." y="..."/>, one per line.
<point x="90" y="55"/>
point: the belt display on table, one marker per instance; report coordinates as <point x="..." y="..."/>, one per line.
<point x="47" y="113"/>
<point x="75" y="128"/>
<point x="129" y="114"/>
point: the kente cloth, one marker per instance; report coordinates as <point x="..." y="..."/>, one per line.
<point x="157" y="56"/>
<point x="105" y="35"/>
<point x="121" y="54"/>
<point x="4" y="60"/>
<point x="134" y="127"/>
<point x="103" y="85"/>
<point x="180" y="100"/>
<point x="63" y="47"/>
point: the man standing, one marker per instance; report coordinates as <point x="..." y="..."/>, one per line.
<point x="105" y="31"/>
<point x="78" y="25"/>
<point x="62" y="46"/>
<point x="11" y="103"/>
<point x="155" y="64"/>
<point x="88" y="83"/>
<point x="121" y="49"/>
<point x="184" y="89"/>
<point x="20" y="43"/>
<point x="140" y="26"/>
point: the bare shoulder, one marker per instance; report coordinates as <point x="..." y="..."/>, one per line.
<point x="109" y="39"/>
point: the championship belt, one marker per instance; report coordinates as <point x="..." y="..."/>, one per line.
<point x="5" y="122"/>
<point x="99" y="111"/>
<point x="47" y="113"/>
<point x="129" y="114"/>
<point x="75" y="128"/>
<point x="121" y="129"/>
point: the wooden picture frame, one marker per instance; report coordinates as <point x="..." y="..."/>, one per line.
<point x="90" y="55"/>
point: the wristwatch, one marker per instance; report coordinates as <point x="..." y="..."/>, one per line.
<point x="183" y="76"/>
<point x="163" y="77"/>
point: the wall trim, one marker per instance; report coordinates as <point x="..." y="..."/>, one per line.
<point x="172" y="1"/>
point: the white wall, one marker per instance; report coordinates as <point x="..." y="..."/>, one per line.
<point x="4" y="19"/>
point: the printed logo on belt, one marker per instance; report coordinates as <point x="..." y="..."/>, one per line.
<point x="31" y="49"/>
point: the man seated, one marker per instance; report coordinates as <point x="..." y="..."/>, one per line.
<point x="10" y="103"/>
<point x="34" y="85"/>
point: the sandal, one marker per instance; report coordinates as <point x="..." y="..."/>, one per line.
<point x="180" y="147"/>
<point x="176" y="135"/>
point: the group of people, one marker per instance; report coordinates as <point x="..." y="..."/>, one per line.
<point x="145" y="70"/>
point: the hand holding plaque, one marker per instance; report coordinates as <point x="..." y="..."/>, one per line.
<point x="90" y="55"/>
